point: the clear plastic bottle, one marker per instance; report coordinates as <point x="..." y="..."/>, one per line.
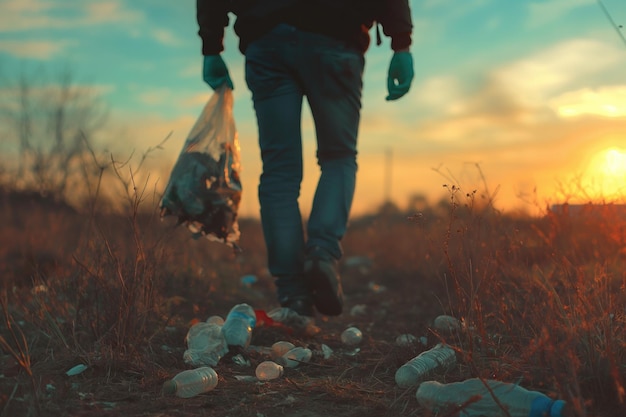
<point x="191" y="382"/>
<point x="440" y="358"/>
<point x="351" y="336"/>
<point x="281" y="347"/>
<point x="215" y="320"/>
<point x="268" y="370"/>
<point x="238" y="325"/>
<point x="296" y="356"/>
<point x="206" y="344"/>
<point x="471" y="397"/>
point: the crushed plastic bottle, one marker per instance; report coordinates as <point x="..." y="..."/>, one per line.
<point x="352" y="336"/>
<point x="206" y="344"/>
<point x="238" y="325"/>
<point x="191" y="382"/>
<point x="268" y="370"/>
<point x="472" y="398"/>
<point x="412" y="373"/>
<point x="296" y="356"/>
<point x="290" y="318"/>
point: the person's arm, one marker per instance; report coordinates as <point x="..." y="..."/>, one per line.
<point x="397" y="23"/>
<point x="212" y="18"/>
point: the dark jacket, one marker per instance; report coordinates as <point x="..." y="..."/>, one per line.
<point x="346" y="20"/>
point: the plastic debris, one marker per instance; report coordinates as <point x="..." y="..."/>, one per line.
<point x="358" y="310"/>
<point x="240" y="360"/>
<point x="405" y="340"/>
<point x="290" y="318"/>
<point x="477" y="397"/>
<point x="248" y="280"/>
<point x="268" y="370"/>
<point x="204" y="188"/>
<point x="206" y="344"/>
<point x="280" y="348"/>
<point x="76" y="370"/>
<point x="215" y="320"/>
<point x="326" y="351"/>
<point x="352" y="336"/>
<point x="296" y="356"/>
<point x="440" y="358"/>
<point x="246" y="378"/>
<point x="446" y="324"/>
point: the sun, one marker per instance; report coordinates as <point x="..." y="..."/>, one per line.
<point x="615" y="163"/>
<point x="607" y="172"/>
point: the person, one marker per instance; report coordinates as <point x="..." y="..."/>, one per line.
<point x="314" y="49"/>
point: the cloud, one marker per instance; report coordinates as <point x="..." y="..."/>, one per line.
<point x="111" y="11"/>
<point x="540" y="76"/>
<point x="154" y="97"/>
<point x="604" y="101"/>
<point x="541" y="13"/>
<point x="166" y="37"/>
<point x="38" y="49"/>
<point x="440" y="93"/>
<point x="507" y="104"/>
<point x="32" y="15"/>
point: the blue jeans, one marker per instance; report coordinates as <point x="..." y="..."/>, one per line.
<point x="282" y="68"/>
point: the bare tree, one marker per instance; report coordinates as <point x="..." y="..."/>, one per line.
<point x="50" y="125"/>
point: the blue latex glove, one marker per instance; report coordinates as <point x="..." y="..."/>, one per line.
<point x="400" y="75"/>
<point x="215" y="73"/>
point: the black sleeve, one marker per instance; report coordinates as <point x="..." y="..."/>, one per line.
<point x="212" y="19"/>
<point x="397" y="23"/>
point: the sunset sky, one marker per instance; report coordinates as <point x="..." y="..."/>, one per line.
<point x="531" y="94"/>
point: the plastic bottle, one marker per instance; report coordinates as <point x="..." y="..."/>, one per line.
<point x="472" y="398"/>
<point x="281" y="347"/>
<point x="206" y="344"/>
<point x="351" y="336"/>
<point x="440" y="357"/>
<point x="238" y="325"/>
<point x="268" y="370"/>
<point x="215" y="320"/>
<point x="296" y="356"/>
<point x="191" y="382"/>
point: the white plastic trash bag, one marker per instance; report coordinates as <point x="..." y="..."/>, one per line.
<point x="204" y="189"/>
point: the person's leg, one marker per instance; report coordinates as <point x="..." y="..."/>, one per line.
<point x="277" y="99"/>
<point x="333" y="85"/>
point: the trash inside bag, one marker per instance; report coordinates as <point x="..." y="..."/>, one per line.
<point x="204" y="189"/>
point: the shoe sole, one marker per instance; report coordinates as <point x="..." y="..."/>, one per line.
<point x="327" y="300"/>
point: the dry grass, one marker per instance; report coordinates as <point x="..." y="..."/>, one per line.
<point x="543" y="302"/>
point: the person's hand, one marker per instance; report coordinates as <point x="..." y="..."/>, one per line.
<point x="400" y="75"/>
<point x="215" y="73"/>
